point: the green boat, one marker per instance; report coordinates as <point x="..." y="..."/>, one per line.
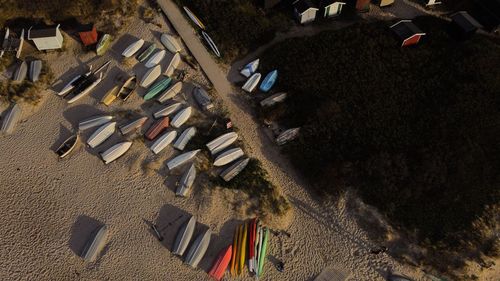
<point x="103" y="44"/>
<point x="157" y="88"/>
<point x="262" y="254"/>
<point x="146" y="53"/>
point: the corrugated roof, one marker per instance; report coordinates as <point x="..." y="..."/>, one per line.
<point x="304" y="5"/>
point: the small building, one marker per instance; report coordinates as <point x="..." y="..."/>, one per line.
<point x="89" y="36"/>
<point x="11" y="43"/>
<point x="408" y="33"/>
<point x="463" y="25"/>
<point x="331" y="8"/>
<point x="269" y="4"/>
<point x="384" y="3"/>
<point x="305" y="11"/>
<point x="46" y="38"/>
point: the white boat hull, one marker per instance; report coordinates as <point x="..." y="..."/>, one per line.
<point x="163" y="141"/>
<point x="151" y="76"/>
<point x="252" y="82"/>
<point x="155" y="59"/>
<point x="101" y="134"/>
<point x="133" y="48"/>
<point x="228" y="157"/>
<point x="181" y="117"/>
<point x="115" y="152"/>
<point x="181" y="159"/>
<point x="184" y="138"/>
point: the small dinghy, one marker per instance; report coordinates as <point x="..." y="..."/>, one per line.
<point x="11" y="119"/>
<point x="202" y="98"/>
<point x="287" y="136"/>
<point x="211" y="43"/>
<point x="194" y="18"/>
<point x="231" y="172"/>
<point x="128" y="88"/>
<point x="172" y="66"/>
<point x="101" y="134"/>
<point x="171" y="92"/>
<point x="95" y="243"/>
<point x="252" y="82"/>
<point x="155" y="59"/>
<point x="171" y="43"/>
<point x="115" y="152"/>
<point x="132" y="126"/>
<point x="157" y="88"/>
<point x="133" y="48"/>
<point x="168" y="110"/>
<point x="228" y="156"/>
<point x="94" y="121"/>
<point x="35" y="70"/>
<point x="20" y="73"/>
<point x="146" y="53"/>
<point x="67" y="146"/>
<point x="181" y="117"/>
<point x="181" y="159"/>
<point x="274" y="99"/>
<point x="86" y="89"/>
<point x="184" y="236"/>
<point x="198" y="249"/>
<point x="269" y="81"/>
<point x="158" y="127"/>
<point x="221" y="263"/>
<point x="150" y="76"/>
<point x="220" y="143"/>
<point x="184" y="138"/>
<point x="163" y="141"/>
<point x="110" y="96"/>
<point x="187" y="181"/>
<point x="77" y="80"/>
<point x="103" y="44"/>
<point x="250" y="68"/>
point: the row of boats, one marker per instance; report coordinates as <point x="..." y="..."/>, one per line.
<point x="199" y="24"/>
<point x="254" y="77"/>
<point x="35" y="68"/>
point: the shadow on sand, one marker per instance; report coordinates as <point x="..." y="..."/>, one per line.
<point x="81" y="232"/>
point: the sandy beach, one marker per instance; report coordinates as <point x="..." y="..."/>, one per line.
<point x="50" y="206"/>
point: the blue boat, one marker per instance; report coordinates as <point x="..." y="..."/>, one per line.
<point x="269" y="81"/>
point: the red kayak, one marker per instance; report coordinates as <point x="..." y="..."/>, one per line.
<point x="221" y="263"/>
<point x="251" y="244"/>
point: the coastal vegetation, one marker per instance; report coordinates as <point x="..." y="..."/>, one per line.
<point x="414" y="131"/>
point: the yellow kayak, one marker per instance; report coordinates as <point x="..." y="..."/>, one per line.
<point x="110" y="96"/>
<point x="243" y="248"/>
<point x="235" y="246"/>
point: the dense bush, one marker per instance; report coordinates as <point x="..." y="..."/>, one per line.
<point x="415" y="131"/>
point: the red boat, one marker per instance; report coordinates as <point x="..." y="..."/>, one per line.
<point x="221" y="263"/>
<point x="158" y="127"/>
<point x="251" y="245"/>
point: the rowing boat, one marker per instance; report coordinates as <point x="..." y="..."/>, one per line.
<point x="110" y="96"/>
<point x="157" y="127"/>
<point x="183" y="237"/>
<point x="133" y="48"/>
<point x="269" y="81"/>
<point x="250" y="68"/>
<point x="115" y="152"/>
<point x="170" y="93"/>
<point x="171" y="43"/>
<point x="150" y="76"/>
<point x="187" y="181"/>
<point x="181" y="117"/>
<point x="67" y="146"/>
<point x="101" y="134"/>
<point x="167" y="110"/>
<point x="146" y="53"/>
<point x="274" y="99"/>
<point x="211" y="43"/>
<point x="184" y="138"/>
<point x="11" y="119"/>
<point x="181" y="159"/>
<point x="128" y="88"/>
<point x="202" y="98"/>
<point x="35" y="69"/>
<point x="20" y="73"/>
<point x="163" y="141"/>
<point x="252" y="82"/>
<point x="103" y="44"/>
<point x="155" y="59"/>
<point x="157" y="88"/>
<point x="94" y="121"/>
<point x="194" y="18"/>
<point x="220" y="143"/>
<point x="134" y="125"/>
<point x="287" y="136"/>
<point x="231" y="172"/>
<point x="198" y="249"/>
<point x="95" y="243"/>
<point x="172" y="66"/>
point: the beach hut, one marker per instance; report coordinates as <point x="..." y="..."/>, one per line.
<point x="46" y="38"/>
<point x="11" y="43"/>
<point x="383" y="3"/>
<point x="305" y="11"/>
<point x="88" y="36"/>
<point x="463" y="25"/>
<point x="331" y="8"/>
<point x="408" y="33"/>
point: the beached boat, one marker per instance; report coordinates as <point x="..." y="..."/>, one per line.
<point x="184" y="138"/>
<point x="150" y="76"/>
<point x="20" y="73"/>
<point x="221" y="263"/>
<point x="183" y="237"/>
<point x="171" y="43"/>
<point x="260" y="236"/>
<point x="236" y="236"/>
<point x="157" y="127"/>
<point x="211" y="43"/>
<point x="35" y="70"/>
<point x="251" y="244"/>
<point x="169" y="109"/>
<point x="238" y="252"/>
<point x="181" y="159"/>
<point x="67" y="146"/>
<point x="198" y="249"/>
<point x="274" y="99"/>
<point x="155" y="59"/>
<point x="202" y="98"/>
<point x="146" y="53"/>
<point x="133" y="48"/>
<point x="115" y="151"/>
<point x="172" y="66"/>
<point x="262" y="252"/>
<point x="250" y="68"/>
<point x="101" y="134"/>
<point x="181" y="117"/>
<point x="252" y="82"/>
<point x="94" y="121"/>
<point x="95" y="243"/>
<point x="228" y="156"/>
<point x="103" y="44"/>
<point x="128" y="88"/>
<point x="10" y="121"/>
<point x="220" y="143"/>
<point x="269" y="81"/>
<point x="287" y="136"/>
<point x="187" y="181"/>
<point x="157" y="88"/>
<point x="170" y="93"/>
<point x="243" y="252"/>
<point x="110" y="96"/>
<point x="74" y="82"/>
<point x="231" y="172"/>
<point x="86" y="89"/>
<point x="132" y="126"/>
<point x="194" y="18"/>
<point x="163" y="141"/>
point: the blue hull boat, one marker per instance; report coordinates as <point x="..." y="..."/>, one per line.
<point x="269" y="81"/>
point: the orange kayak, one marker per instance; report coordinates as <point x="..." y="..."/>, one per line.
<point x="235" y="247"/>
<point x="221" y="263"/>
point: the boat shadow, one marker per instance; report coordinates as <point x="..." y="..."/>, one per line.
<point x="109" y="81"/>
<point x="81" y="232"/>
<point x="59" y="83"/>
<point x="64" y="134"/>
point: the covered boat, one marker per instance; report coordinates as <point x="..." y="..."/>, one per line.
<point x="187" y="181"/>
<point x="250" y="68"/>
